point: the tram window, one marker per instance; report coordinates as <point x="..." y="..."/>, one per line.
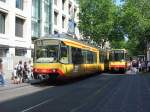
<point x="102" y="57"/>
<point x="84" y="56"/>
<point x="117" y="56"/>
<point x="47" y="53"/>
<point x="91" y="57"/>
<point x="77" y="57"/>
<point x="64" y="55"/>
<point x="94" y="57"/>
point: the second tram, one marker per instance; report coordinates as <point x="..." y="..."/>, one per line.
<point x="117" y="60"/>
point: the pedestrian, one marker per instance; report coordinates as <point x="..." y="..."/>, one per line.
<point x="139" y="66"/>
<point x="143" y="66"/>
<point x="30" y="67"/>
<point x="148" y="65"/>
<point x="134" y="66"/>
<point x="2" y="80"/>
<point x="20" y="72"/>
<point x="25" y="72"/>
<point x="14" y="75"/>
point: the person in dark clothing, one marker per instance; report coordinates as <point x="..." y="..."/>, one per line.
<point x="25" y="72"/>
<point x="20" y="71"/>
<point x="148" y="65"/>
<point x="135" y="66"/>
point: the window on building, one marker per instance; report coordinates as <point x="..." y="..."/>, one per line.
<point x="55" y="2"/>
<point x="75" y="10"/>
<point x="35" y="29"/>
<point x="20" y="52"/>
<point x="55" y="32"/>
<point x="77" y="1"/>
<point x="19" y="4"/>
<point x="46" y="13"/>
<point x="63" y="4"/>
<point x="71" y="27"/>
<point x="63" y="22"/>
<point x="3" y="51"/>
<point x="2" y="22"/>
<point x="55" y="18"/>
<point x="35" y="9"/>
<point x="46" y="30"/>
<point x="19" y="27"/>
<point x="3" y="0"/>
<point x="69" y="8"/>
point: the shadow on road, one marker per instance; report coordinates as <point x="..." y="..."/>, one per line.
<point x="62" y="82"/>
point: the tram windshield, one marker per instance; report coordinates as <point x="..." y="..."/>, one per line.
<point x="117" y="55"/>
<point x="47" y="54"/>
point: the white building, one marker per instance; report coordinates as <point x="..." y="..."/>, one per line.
<point x="15" y="32"/>
<point x="54" y="16"/>
<point x="65" y="16"/>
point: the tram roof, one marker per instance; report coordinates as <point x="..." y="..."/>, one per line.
<point x="67" y="38"/>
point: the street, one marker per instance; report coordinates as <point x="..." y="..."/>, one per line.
<point x="99" y="93"/>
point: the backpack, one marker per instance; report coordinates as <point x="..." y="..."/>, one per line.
<point x="19" y="68"/>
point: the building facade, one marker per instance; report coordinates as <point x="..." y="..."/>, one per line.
<point x="41" y="18"/>
<point x="15" y="32"/>
<point x="54" y="17"/>
<point x="65" y="17"/>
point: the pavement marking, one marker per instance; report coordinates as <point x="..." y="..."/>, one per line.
<point x="35" y="106"/>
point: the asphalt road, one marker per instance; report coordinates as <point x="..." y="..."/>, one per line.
<point x="99" y="93"/>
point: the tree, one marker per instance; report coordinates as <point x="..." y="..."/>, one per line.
<point x="102" y="20"/>
<point x="97" y="19"/>
<point x="136" y="23"/>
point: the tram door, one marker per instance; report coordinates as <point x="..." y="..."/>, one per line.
<point x="106" y="60"/>
<point x="77" y="60"/>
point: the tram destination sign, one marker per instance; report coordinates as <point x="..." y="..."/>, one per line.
<point x="47" y="42"/>
<point x="118" y="51"/>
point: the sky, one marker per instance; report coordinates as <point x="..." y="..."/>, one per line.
<point x="118" y="2"/>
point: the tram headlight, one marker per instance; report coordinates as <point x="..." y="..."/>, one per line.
<point x="35" y="70"/>
<point x="122" y="60"/>
<point x="54" y="70"/>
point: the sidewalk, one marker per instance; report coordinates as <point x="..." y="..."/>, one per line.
<point x="129" y="72"/>
<point x="9" y="85"/>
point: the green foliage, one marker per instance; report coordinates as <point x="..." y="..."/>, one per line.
<point x="121" y="44"/>
<point x="136" y="23"/>
<point x="96" y="18"/>
<point x="102" y="19"/>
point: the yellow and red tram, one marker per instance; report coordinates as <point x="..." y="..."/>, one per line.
<point x="61" y="58"/>
<point x="117" y="60"/>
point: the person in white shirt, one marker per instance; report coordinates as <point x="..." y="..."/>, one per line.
<point x="30" y="67"/>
